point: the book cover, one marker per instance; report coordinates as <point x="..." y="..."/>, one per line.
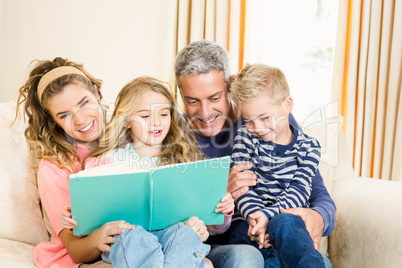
<point x="154" y="198"/>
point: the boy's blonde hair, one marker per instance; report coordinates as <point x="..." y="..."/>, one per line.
<point x="179" y="145"/>
<point x="257" y="79"/>
<point x="45" y="138"/>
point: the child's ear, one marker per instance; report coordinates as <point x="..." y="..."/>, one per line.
<point x="288" y="104"/>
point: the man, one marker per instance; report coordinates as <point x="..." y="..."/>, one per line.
<point x="203" y="76"/>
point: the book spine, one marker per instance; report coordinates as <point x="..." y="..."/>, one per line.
<point x="151" y="200"/>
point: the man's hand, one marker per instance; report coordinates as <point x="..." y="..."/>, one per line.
<point x="239" y="181"/>
<point x="312" y="219"/>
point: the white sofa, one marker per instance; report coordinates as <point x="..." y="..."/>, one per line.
<point x="368" y="227"/>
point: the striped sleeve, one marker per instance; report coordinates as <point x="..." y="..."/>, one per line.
<point x="242" y="152"/>
<point x="299" y="190"/>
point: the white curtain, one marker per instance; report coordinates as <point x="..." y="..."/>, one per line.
<point x="367" y="82"/>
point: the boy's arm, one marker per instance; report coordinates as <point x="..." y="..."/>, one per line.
<point x="298" y="192"/>
<point x="249" y="202"/>
<point x="320" y="202"/>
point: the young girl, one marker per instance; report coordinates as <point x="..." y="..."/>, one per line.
<point x="65" y="121"/>
<point x="146" y="123"/>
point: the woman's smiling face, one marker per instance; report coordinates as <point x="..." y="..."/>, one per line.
<point x="77" y="111"/>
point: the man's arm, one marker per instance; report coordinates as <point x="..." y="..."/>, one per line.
<point x="320" y="199"/>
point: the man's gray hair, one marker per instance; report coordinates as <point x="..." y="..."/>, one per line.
<point x="201" y="57"/>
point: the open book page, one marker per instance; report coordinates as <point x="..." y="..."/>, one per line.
<point x="154" y="198"/>
<point x="122" y="167"/>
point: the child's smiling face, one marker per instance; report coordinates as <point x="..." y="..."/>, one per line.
<point x="150" y="121"/>
<point x="267" y="121"/>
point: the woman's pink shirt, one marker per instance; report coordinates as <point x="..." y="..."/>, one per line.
<point x="54" y="193"/>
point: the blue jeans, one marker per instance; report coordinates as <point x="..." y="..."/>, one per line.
<point x="235" y="256"/>
<point x="292" y="244"/>
<point x="175" y="246"/>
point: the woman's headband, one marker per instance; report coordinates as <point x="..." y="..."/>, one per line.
<point x="53" y="75"/>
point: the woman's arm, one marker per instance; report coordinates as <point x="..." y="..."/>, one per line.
<point x="55" y="196"/>
<point x="89" y="248"/>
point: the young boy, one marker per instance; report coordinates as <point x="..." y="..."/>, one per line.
<point x="284" y="159"/>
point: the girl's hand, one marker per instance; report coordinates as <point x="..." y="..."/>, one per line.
<point x="65" y="218"/>
<point x="199" y="227"/>
<point x="227" y="205"/>
<point x="103" y="237"/>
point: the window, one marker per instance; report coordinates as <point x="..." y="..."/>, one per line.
<point x="299" y="38"/>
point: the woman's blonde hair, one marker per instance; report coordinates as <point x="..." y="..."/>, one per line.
<point x="179" y="145"/>
<point x="45" y="138"/>
<point x="257" y="79"/>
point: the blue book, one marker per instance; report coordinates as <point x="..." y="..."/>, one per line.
<point x="154" y="198"/>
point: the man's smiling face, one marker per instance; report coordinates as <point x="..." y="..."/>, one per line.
<point x="206" y="100"/>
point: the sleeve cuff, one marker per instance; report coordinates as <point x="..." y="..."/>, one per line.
<point x="329" y="222"/>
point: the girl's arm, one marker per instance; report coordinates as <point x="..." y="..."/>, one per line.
<point x="220" y="229"/>
<point x="226" y="207"/>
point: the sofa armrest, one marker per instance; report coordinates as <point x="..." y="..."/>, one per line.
<point x="368" y="223"/>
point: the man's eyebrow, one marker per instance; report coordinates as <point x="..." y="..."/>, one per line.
<point x="213" y="95"/>
<point x="188" y="97"/>
<point x="81" y="101"/>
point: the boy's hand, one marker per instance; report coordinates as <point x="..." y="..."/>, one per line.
<point x="199" y="227"/>
<point x="227" y="205"/>
<point x="239" y="181"/>
<point x="65" y="218"/>
<point x="257" y="229"/>
<point x="103" y="237"/>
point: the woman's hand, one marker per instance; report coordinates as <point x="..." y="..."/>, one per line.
<point x="103" y="237"/>
<point x="199" y="227"/>
<point x="227" y="205"/>
<point x="65" y="218"/>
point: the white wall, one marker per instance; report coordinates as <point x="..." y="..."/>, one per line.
<point x="115" y="40"/>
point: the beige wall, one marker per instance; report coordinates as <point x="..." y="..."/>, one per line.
<point x="116" y="40"/>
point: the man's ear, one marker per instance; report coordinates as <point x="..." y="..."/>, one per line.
<point x="288" y="104"/>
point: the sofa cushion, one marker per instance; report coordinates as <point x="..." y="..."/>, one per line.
<point x="19" y="198"/>
<point x="16" y="254"/>
<point x="368" y="223"/>
<point x="336" y="161"/>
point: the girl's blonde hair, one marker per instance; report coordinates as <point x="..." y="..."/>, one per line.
<point x="45" y="138"/>
<point x="257" y="79"/>
<point x="179" y="145"/>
